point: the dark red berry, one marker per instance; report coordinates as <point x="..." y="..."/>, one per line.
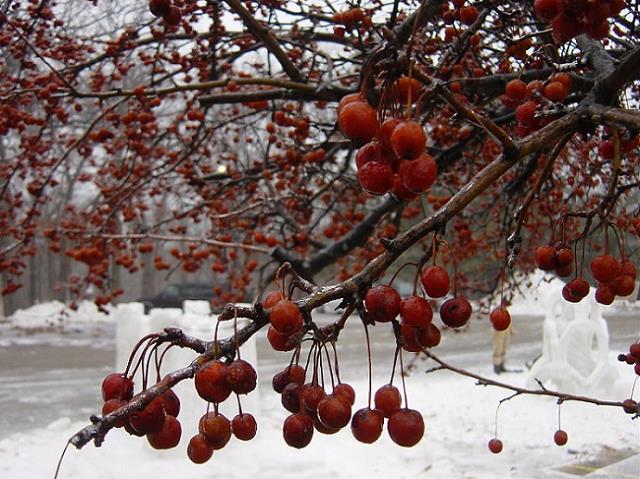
<point x="388" y="400"/>
<point x="366" y="425"/>
<point x="416" y="311"/>
<point x="560" y="437"/>
<point x="241" y="376"/>
<point x="211" y="382"/>
<point x="383" y="303"/>
<point x="495" y="445"/>
<point x="168" y="436"/>
<point x="455" y="312"/>
<point x="435" y="281"/>
<point x="298" y="430"/>
<point x="216" y="428"/>
<point x="117" y="386"/>
<point x="150" y="419"/>
<point x="334" y="411"/>
<point x="244" y="426"/>
<point x="406" y="427"/>
<point x="500" y="319"/>
<point x="199" y="450"/>
<point x="285" y="317"/>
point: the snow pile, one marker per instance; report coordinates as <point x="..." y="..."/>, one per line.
<point x="55" y="314"/>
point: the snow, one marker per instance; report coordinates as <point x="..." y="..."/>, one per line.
<point x="459" y="417"/>
<point x="56" y="314"/>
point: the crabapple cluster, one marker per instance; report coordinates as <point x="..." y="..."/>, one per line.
<point x="157" y="420"/>
<point x="533" y="98"/>
<point x="614" y="277"/>
<point x="570" y="18"/>
<point x="392" y="157"/>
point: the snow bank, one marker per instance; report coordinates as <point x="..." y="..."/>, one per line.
<point x="55" y="314"/>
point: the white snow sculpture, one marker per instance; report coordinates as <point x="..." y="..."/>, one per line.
<point x="197" y="320"/>
<point x="575" y="349"/>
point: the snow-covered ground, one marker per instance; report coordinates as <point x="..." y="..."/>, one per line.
<point x="459" y="417"/>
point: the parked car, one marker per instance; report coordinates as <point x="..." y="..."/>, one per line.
<point x="173" y="295"/>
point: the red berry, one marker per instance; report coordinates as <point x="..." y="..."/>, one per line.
<point x="564" y="271"/>
<point x="323" y="429"/>
<point x="241" y="377"/>
<point x="455" y="312"/>
<point x="375" y="177"/>
<point x="290" y="397"/>
<point x="117" y="386"/>
<point x="606" y="149"/>
<point x="211" y="382"/>
<point x="244" y="426"/>
<point x="525" y="113"/>
<point x="149" y="419"/>
<point x="168" y="436"/>
<point x="416" y="311"/>
<point x="399" y="190"/>
<point x="564" y="256"/>
<point x="173" y="16"/>
<point x="418" y="175"/>
<point x="386" y="130"/>
<point x="604" y="268"/>
<point x="468" y="15"/>
<point x="291" y="374"/>
<point x="516" y="90"/>
<point x="435" y="281"/>
<point x="159" y="8"/>
<point x="408" y="140"/>
<point x="199" y="450"/>
<point x="334" y="411"/>
<point x="406" y="427"/>
<point x="546" y="9"/>
<point x="271" y="299"/>
<point x="569" y="296"/>
<point x="605" y="294"/>
<point x="368" y="153"/>
<point x="383" y="303"/>
<point x="387" y="400"/>
<point x="298" y="430"/>
<point x="563" y="78"/>
<point x="560" y="437"/>
<point x="345" y="391"/>
<point x="623" y="285"/>
<point x="495" y="446"/>
<point x="216" y="428"/>
<point x="628" y="269"/>
<point x="285" y="317"/>
<point x="366" y="425"/>
<point x="630" y="406"/>
<point x="350" y="98"/>
<point x="578" y="287"/>
<point x="546" y="258"/>
<point x="555" y="91"/>
<point x="565" y="27"/>
<point x="500" y="319"/>
<point x="311" y="396"/>
<point x="358" y="121"/>
<point x="280" y="342"/>
<point x="170" y="403"/>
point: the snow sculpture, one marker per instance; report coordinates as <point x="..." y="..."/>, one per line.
<point x="197" y="320"/>
<point x="575" y="349"/>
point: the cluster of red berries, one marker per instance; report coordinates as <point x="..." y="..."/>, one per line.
<point x="570" y="18"/>
<point x="615" y="278"/>
<point x="384" y="304"/>
<point x="632" y="357"/>
<point x="393" y="157"/>
<point x="157" y="420"/>
<point x="526" y="99"/>
<point x="171" y="14"/>
<point x="215" y="381"/>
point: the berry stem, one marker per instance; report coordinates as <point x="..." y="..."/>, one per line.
<point x="366" y="334"/>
